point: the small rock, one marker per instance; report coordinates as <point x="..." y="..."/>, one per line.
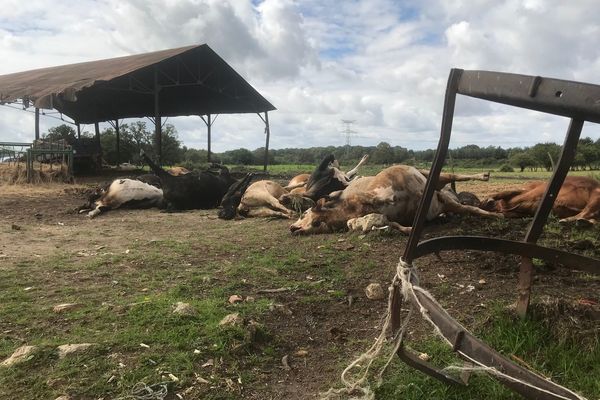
<point x="374" y="292"/>
<point x="209" y="363"/>
<point x="249" y="299"/>
<point x="21" y="354"/>
<point x="66" y="307"/>
<point x="68" y="349"/>
<point x="231" y="320"/>
<point x="144" y="345"/>
<point x="301" y="353"/>
<point x="424" y="356"/>
<point x="235" y="298"/>
<point x="28" y="288"/>
<point x="64" y="397"/>
<point x="284" y="363"/>
<point x="482" y="282"/>
<point x="15" y="227"/>
<point x="184" y="309"/>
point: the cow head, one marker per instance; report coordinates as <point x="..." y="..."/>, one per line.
<point x="490" y="205"/>
<point x="233" y="197"/>
<point x="324" y="217"/>
<point x="326" y="178"/>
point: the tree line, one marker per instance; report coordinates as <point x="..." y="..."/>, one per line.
<point x="137" y="136"/>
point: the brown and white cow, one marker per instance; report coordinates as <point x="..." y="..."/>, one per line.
<point x="395" y="192"/>
<point x="269" y="199"/>
<point x="578" y="200"/>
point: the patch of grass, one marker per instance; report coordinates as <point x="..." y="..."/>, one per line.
<point x="556" y="356"/>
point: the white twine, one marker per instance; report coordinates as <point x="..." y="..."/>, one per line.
<point x="359" y="386"/>
<point x="142" y="391"/>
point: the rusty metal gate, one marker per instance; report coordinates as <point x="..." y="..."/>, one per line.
<point x="578" y="101"/>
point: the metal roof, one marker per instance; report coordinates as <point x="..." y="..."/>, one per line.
<point x="190" y="80"/>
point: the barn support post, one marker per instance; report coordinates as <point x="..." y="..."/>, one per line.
<point x="118" y="142"/>
<point x="157" y="119"/>
<point x="78" y="130"/>
<point x="97" y="131"/>
<point x="208" y="130"/>
<point x="565" y="160"/>
<point x="268" y="134"/>
<point x="209" y="121"/>
<point x="37" y="123"/>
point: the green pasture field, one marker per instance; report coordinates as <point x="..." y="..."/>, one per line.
<point x="126" y="270"/>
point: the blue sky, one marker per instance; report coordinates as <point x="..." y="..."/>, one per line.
<point x="381" y="63"/>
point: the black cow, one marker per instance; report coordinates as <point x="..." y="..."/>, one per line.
<point x="195" y="190"/>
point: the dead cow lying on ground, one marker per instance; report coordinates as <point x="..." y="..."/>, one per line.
<point x="578" y="200"/>
<point x="267" y="198"/>
<point x="395" y="193"/>
<point x="124" y="193"/>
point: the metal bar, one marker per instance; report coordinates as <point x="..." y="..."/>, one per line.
<point x="558" y="177"/>
<point x="97" y="131"/>
<point x="118" y="142"/>
<point x="37" y="123"/>
<point x="567" y="156"/>
<point x="567" y="98"/>
<point x="414" y="361"/>
<point x="208" y="129"/>
<point x="532" y="250"/>
<point x="268" y="133"/>
<point x="474" y="350"/>
<point x="157" y="124"/>
<point x="438" y="163"/>
<point x="78" y="130"/>
<point x="440" y="155"/>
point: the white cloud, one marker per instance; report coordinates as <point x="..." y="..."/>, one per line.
<point x="381" y="63"/>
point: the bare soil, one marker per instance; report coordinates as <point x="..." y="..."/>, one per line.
<point x="38" y="221"/>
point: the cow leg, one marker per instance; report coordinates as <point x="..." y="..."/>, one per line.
<point x="404" y="229"/>
<point x="446" y="178"/>
<point x="275" y="205"/>
<point x="451" y="205"/>
<point x="350" y="174"/>
<point x="97" y="211"/>
<point x="265" y="212"/>
<point x="590" y="213"/>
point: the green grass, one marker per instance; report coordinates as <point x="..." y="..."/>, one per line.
<point x="127" y="299"/>
<point x="561" y="358"/>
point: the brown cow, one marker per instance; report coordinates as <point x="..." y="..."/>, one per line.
<point x="578" y="200"/>
<point x="395" y="192"/>
<point x="261" y="199"/>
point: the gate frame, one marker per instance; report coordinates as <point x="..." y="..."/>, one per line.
<point x="578" y="101"/>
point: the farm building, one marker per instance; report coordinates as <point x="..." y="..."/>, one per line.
<point x="191" y="80"/>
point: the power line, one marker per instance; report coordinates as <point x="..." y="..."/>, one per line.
<point x="348" y="132"/>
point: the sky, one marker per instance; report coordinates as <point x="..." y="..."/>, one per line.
<point x="383" y="64"/>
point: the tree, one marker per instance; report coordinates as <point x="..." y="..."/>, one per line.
<point x="61" y="132"/>
<point x="545" y="154"/>
<point x="383" y="154"/>
<point x="522" y="160"/>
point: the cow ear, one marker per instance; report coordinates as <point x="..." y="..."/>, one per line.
<point x="320" y="204"/>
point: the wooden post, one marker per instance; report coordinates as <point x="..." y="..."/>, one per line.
<point x="118" y="142"/>
<point x="208" y="127"/>
<point x="268" y="133"/>
<point x="37" y="123"/>
<point x="78" y="131"/>
<point x="97" y="130"/>
<point x="157" y="119"/>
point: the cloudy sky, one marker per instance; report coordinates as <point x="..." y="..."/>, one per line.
<point x="381" y="63"/>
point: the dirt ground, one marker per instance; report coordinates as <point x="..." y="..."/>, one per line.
<point x="37" y="221"/>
